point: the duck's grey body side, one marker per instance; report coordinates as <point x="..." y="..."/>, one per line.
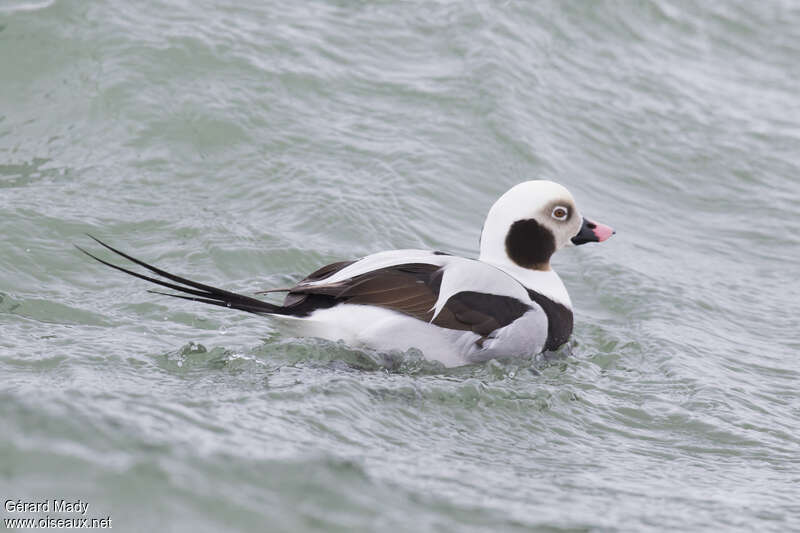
<point x="492" y="291"/>
<point x="386" y="330"/>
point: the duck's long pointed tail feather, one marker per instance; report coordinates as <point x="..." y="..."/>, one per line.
<point x="200" y="292"/>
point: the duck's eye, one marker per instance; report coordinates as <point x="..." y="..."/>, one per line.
<point x="560" y="213"/>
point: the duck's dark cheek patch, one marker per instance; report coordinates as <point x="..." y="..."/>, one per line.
<point x="529" y="244"/>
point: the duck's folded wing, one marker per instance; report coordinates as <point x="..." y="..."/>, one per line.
<point x="413" y="289"/>
<point x="479" y="312"/>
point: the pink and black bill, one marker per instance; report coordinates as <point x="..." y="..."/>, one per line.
<point x="592" y="232"/>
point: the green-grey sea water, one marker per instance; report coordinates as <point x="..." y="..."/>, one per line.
<point x="246" y="143"/>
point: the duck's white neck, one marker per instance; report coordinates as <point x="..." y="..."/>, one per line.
<point x="545" y="282"/>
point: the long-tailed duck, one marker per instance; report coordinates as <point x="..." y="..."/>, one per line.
<point x="506" y="303"/>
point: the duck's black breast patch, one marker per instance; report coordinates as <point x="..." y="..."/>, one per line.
<point x="559" y="320"/>
<point x="529" y="244"/>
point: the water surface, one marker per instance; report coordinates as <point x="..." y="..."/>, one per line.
<point x="245" y="144"/>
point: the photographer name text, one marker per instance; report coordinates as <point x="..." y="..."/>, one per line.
<point x="46" y="506"/>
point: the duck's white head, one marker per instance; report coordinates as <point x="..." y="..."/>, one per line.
<point x="533" y="220"/>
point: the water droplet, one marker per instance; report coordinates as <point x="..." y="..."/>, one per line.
<point x="180" y="364"/>
<point x="223" y="330"/>
<point x="228" y="304"/>
<point x="28" y="250"/>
